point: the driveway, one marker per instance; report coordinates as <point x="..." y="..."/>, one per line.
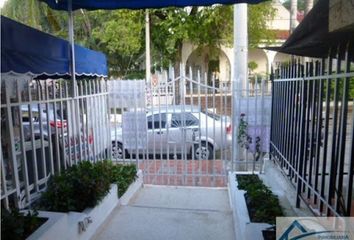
<point x="174" y="213"/>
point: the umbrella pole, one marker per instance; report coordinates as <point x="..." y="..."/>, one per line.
<point x="72" y="48"/>
<point x="147" y="46"/>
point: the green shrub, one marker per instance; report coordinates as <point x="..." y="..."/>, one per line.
<point x="17" y="226"/>
<point x="79" y="187"/>
<point x="123" y="175"/>
<point x="85" y="185"/>
<point x="135" y="75"/>
<point x="262" y="204"/>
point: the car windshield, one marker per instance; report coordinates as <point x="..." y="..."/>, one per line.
<point x="211" y="114"/>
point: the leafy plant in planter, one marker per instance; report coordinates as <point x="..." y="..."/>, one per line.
<point x="262" y="204"/>
<point x="123" y="175"/>
<point x="84" y="185"/>
<point x="79" y="187"/>
<point x="16" y="225"/>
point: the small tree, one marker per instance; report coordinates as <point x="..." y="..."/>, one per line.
<point x="249" y="143"/>
<point x="252" y="65"/>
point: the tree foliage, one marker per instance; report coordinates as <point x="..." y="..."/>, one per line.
<point x="120" y="33"/>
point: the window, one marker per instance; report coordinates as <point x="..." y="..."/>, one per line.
<point x="190" y="120"/>
<point x="154" y="121"/>
<point x="26" y="116"/>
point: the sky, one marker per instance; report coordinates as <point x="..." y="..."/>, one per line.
<point x="2" y="3"/>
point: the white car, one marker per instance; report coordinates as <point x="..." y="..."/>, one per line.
<point x="179" y="130"/>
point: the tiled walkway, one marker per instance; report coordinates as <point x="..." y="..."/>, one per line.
<point x="173" y="213"/>
<point x="177" y="172"/>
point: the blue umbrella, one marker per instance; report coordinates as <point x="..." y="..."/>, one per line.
<point x="19" y="56"/>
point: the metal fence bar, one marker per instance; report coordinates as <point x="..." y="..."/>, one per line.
<point x="57" y="152"/>
<point x="351" y="171"/>
<point x="4" y="192"/>
<point x="34" y="143"/>
<point x="214" y="150"/>
<point x="69" y="136"/>
<point x="311" y="121"/>
<point x="23" y="152"/>
<point x="168" y="133"/>
<point x="334" y="159"/>
<point x="206" y="125"/>
<point x="340" y="204"/>
<point x="199" y="125"/>
<point x="49" y="129"/>
<point x="63" y="147"/>
<point x="319" y="71"/>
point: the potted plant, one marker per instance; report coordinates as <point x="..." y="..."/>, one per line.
<point x="16" y="225"/>
<point x="254" y="206"/>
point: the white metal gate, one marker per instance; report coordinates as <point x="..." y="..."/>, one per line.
<point x="183" y="134"/>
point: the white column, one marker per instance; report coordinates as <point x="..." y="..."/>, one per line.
<point x="240" y="76"/>
<point x="270" y="58"/>
<point x="147" y="46"/>
<point x="309" y="5"/>
<point x="293" y="15"/>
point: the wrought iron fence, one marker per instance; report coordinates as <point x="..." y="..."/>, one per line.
<point x="312" y="130"/>
<point x="45" y="130"/>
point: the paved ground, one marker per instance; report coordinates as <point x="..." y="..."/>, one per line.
<point x="177" y="172"/>
<point x="286" y="192"/>
<point x="173" y="213"/>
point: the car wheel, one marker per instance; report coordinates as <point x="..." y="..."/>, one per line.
<point x="117" y="151"/>
<point x="203" y="151"/>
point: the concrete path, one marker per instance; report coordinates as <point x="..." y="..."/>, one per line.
<point x="172" y="213"/>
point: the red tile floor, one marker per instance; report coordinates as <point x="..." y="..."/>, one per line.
<point x="206" y="173"/>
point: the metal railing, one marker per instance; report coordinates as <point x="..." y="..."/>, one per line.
<point x="312" y="130"/>
<point x="45" y="130"/>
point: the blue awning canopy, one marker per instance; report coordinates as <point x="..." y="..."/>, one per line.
<point x="25" y="50"/>
<point x="137" y="4"/>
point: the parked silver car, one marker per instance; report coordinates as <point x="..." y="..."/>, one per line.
<point x="179" y="130"/>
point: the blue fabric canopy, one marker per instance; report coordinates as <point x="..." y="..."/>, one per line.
<point x="27" y="50"/>
<point x="137" y="4"/>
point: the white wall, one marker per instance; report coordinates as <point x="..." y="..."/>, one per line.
<point x="281" y="20"/>
<point x="225" y="68"/>
<point x="341" y="15"/>
<point x="198" y="60"/>
<point x="258" y="56"/>
<point x="281" y="57"/>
